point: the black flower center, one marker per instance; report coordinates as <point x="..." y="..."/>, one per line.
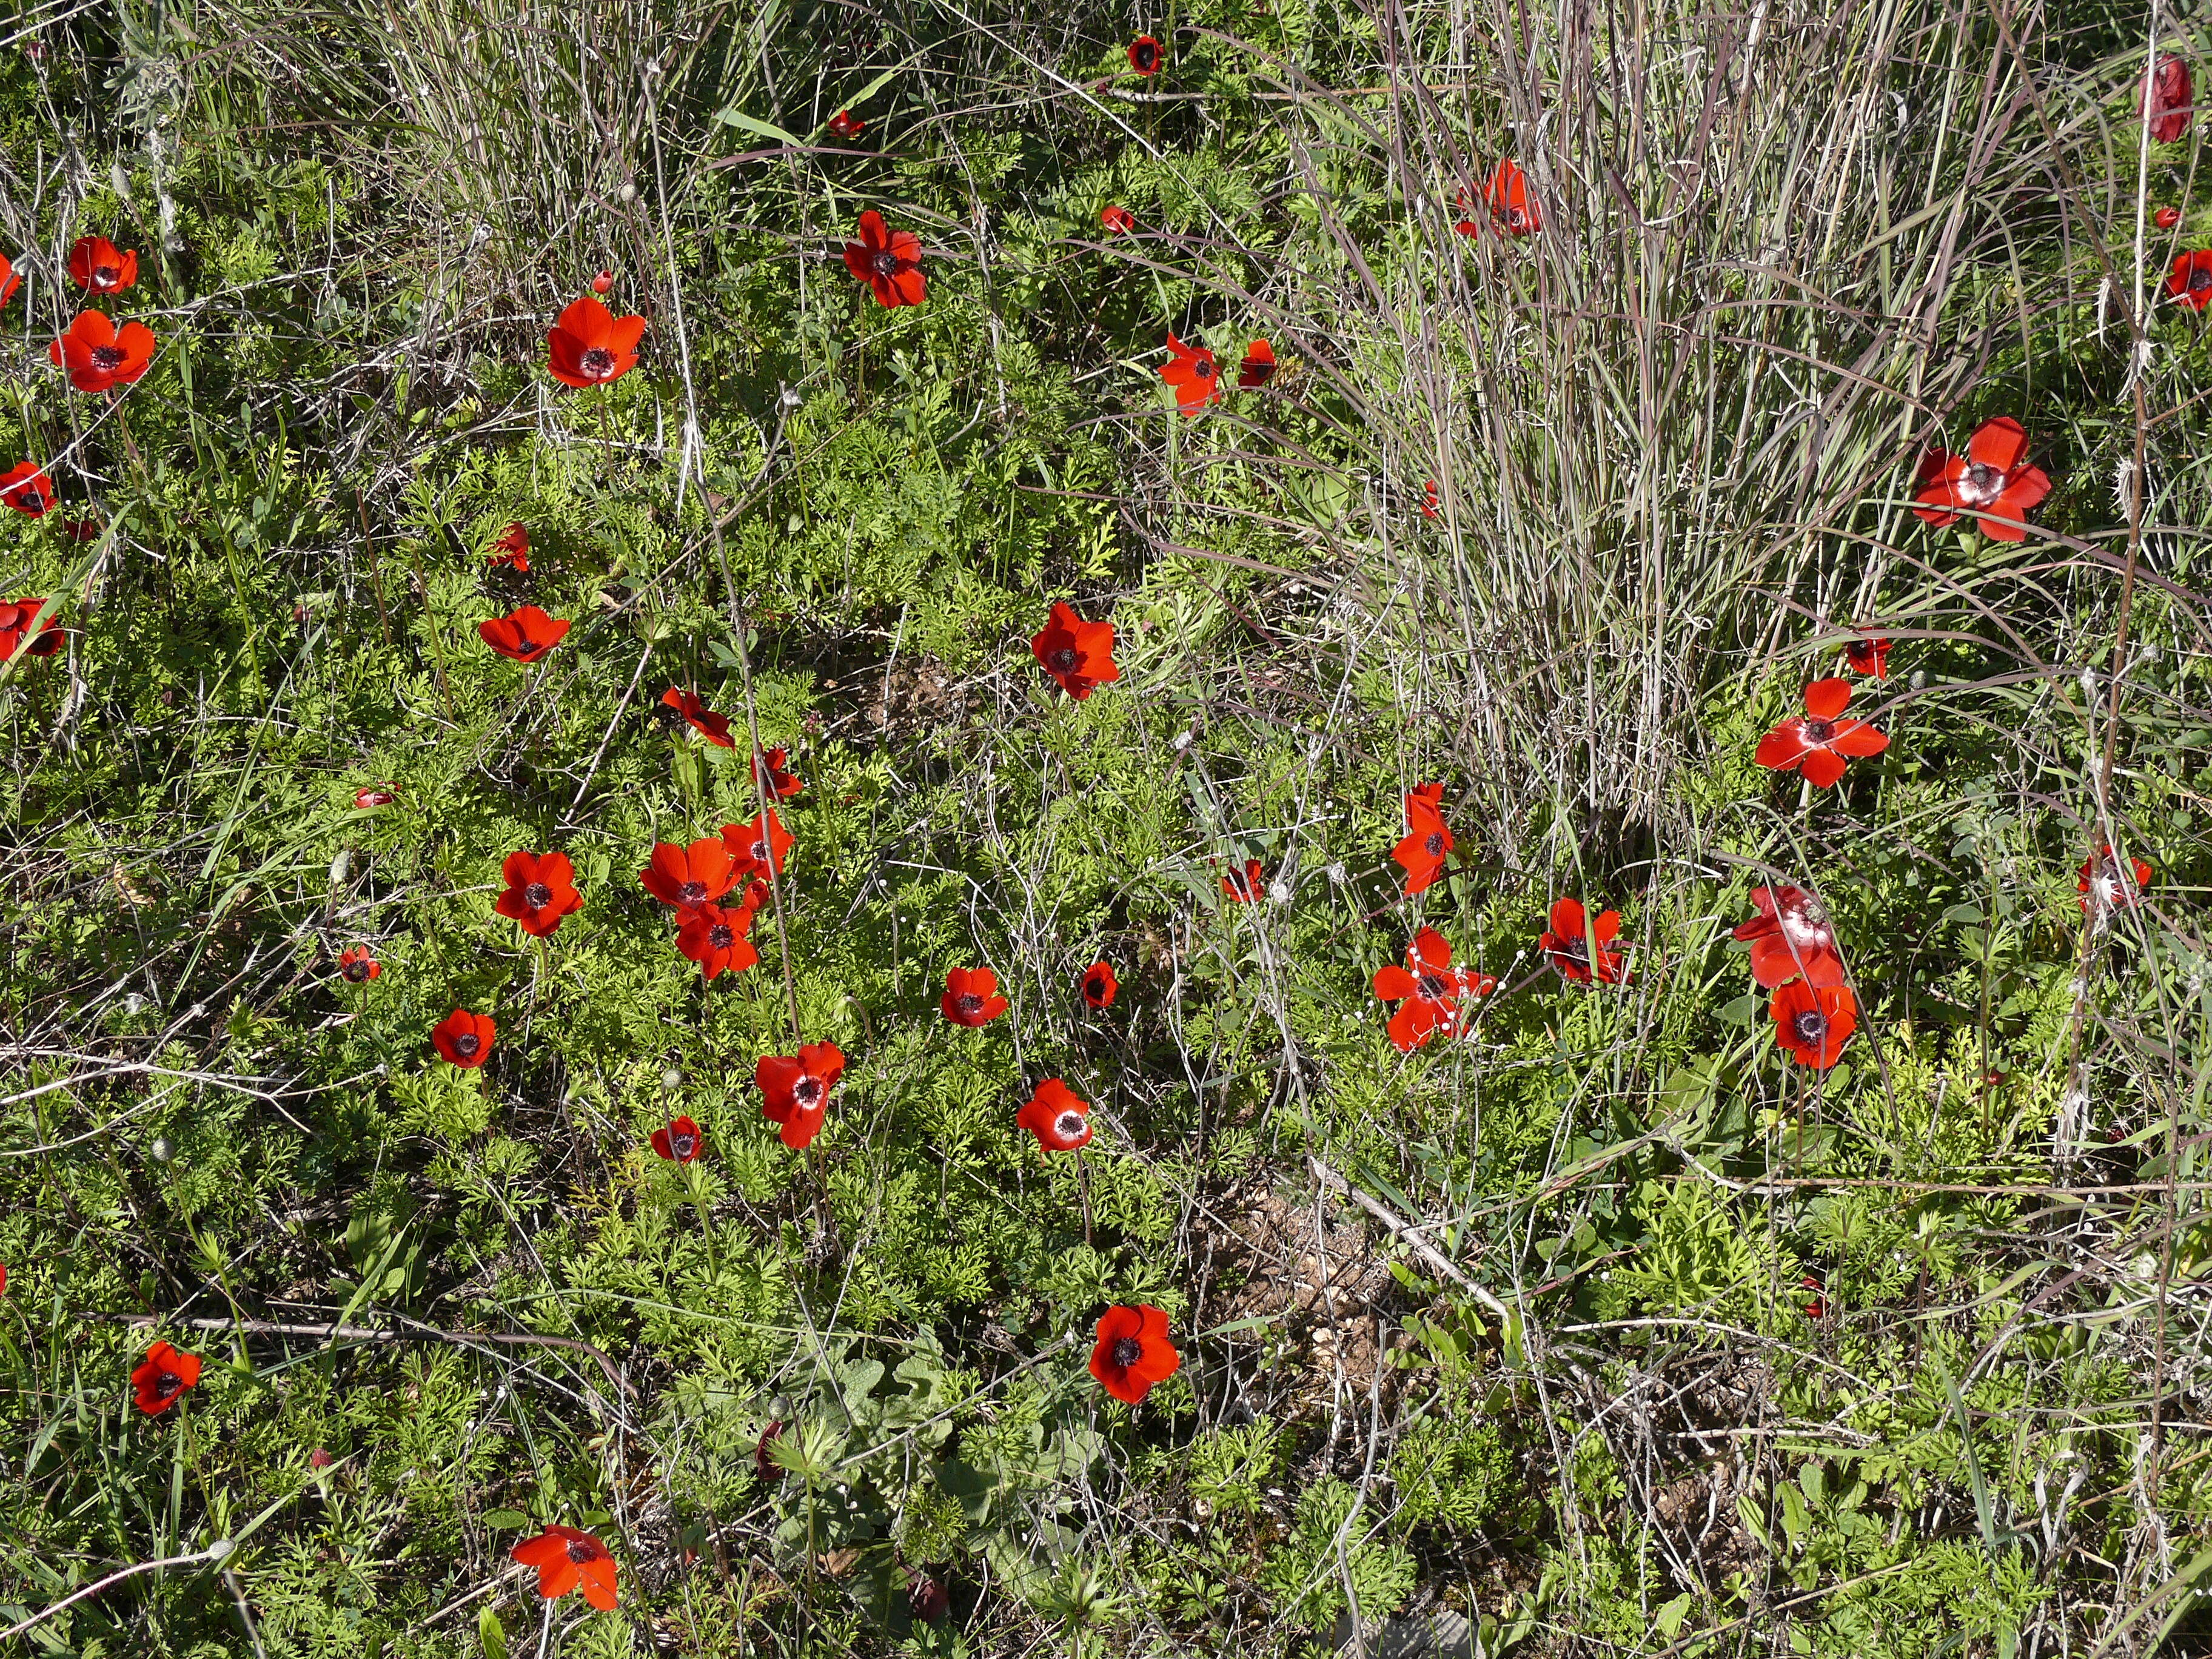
<point x="1819" y="731"/>
<point x="968" y="1002"/>
<point x="107" y="356"/>
<point x="538" y="896"/>
<point x="1203" y="369"/>
<point x="167" y="1382"/>
<point x="1516" y="218"/>
<point x="721" y="936"/>
<point x="1063" y="661"/>
<point x="692" y="892"/>
<point x="1431" y="986"/>
<point x="806" y="1090"/>
<point x="757" y="851"/>
<point x="884" y="262"/>
<point x="1435" y="844"/>
<point x="1068" y="1125"/>
<point x="1127" y="1351"/>
<point x="682" y="1143"/>
<point x="466" y="1044"/>
<point x="1982" y="482"/>
<point x="105" y="276"/>
<point x="1146" y="55"/>
<point x="524" y="645"/>
<point x="598" y="363"/>
<point x="1811" y="1026"/>
<point x="2200" y="278"/>
<point x="1095" y="989"/>
<point x="33" y="502"/>
<point x="582" y="1550"/>
<point x="1575" y="949"/>
<point x="357" y="970"/>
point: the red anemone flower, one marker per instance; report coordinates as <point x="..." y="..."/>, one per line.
<point x="1818" y="1307"/>
<point x="1118" y="221"/>
<point x="1190" y="370"/>
<point x="512" y="548"/>
<point x="81" y="530"/>
<point x="2190" y="281"/>
<point x="566" y="1559"/>
<point x="775" y="782"/>
<point x="1079" y="654"/>
<point x="1567" y="942"/>
<point x="1426" y="842"/>
<point x="1814" y="1023"/>
<point x="1134" y="1352"/>
<point x="98" y="355"/>
<point x="1511" y="204"/>
<point x="971" y="997"/>
<point x="464" y="1038"/>
<point x="1988" y="478"/>
<point x="20" y="629"/>
<point x="2168" y="99"/>
<point x="2102" y="887"/>
<point x="1868" y="654"/>
<point x="715" y="938"/>
<point x="795" y="1089"/>
<point x="96" y="265"/>
<point x="541" y="889"/>
<point x="1145" y="55"/>
<point x="680" y="1142"/>
<point x="1820" y="741"/>
<point x="1790" y="936"/>
<point x="928" y="1599"/>
<point x="159" y="1380"/>
<point x="1258" y="367"/>
<point x="377" y="795"/>
<point x="715" y="728"/>
<point x="1428" y="989"/>
<point x="27" y="490"/>
<point x="689" y="875"/>
<point x="888" y="261"/>
<point x="847" y="125"/>
<point x="752" y="850"/>
<point x="2166" y="217"/>
<point x="1429" y="509"/>
<point x="8" y="280"/>
<point x="1100" y="987"/>
<point x="1060" y="1120"/>
<point x="604" y="282"/>
<point x="590" y="345"/>
<point x="1246" y="885"/>
<point x="525" y="634"/>
<point x="356" y="966"/>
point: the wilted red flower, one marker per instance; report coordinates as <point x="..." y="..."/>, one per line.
<point x="1567" y="942"/>
<point x="1145" y="55"/>
<point x="795" y="1089"/>
<point x="752" y="850"/>
<point x="1818" y="1307"/>
<point x="1819" y="742"/>
<point x="1258" y="367"/>
<point x="764" y="1461"/>
<point x="1079" y="654"/>
<point x="715" y="728"/>
<point x="928" y="1599"/>
<point x="464" y="1038"/>
<point x="1868" y="654"/>
<point x="1426" y="842"/>
<point x="680" y="1142"/>
<point x="2101" y="886"/>
<point x="1428" y="989"/>
<point x="99" y="355"/>
<point x="1134" y="1352"/>
<point x="159" y="1380"/>
<point x="1118" y="221"/>
<point x="2190" y="281"/>
<point x="769" y="769"/>
<point x="525" y="633"/>
<point x="541" y="889"/>
<point x="566" y="1559"/>
<point x="80" y="530"/>
<point x="1190" y="370"/>
<point x="1988" y="478"/>
<point x="1054" y="1115"/>
<point x="1100" y="987"/>
<point x="1814" y="1023"/>
<point x="512" y="548"/>
<point x="2167" y="94"/>
<point x="2166" y="217"/>
<point x="689" y="875"/>
<point x="1428" y="505"/>
<point x="888" y="261"/>
<point x="8" y="280"/>
<point x="590" y="345"/>
<point x="98" y="266"/>
<point x="356" y="966"/>
<point x="971" y="997"/>
<point x="715" y="938"/>
<point x="602" y="283"/>
<point x="381" y="795"/>
<point x="1790" y="936"/>
<point x="20" y="629"/>
<point x="847" y="125"/>
<point x="1245" y="885"/>
<point x="1511" y="204"/>
<point x="320" y="1459"/>
<point x="27" y="490"/>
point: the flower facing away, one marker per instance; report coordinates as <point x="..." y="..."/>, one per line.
<point x="98" y="355"/>
<point x="1820" y="741"/>
<point x="589" y="346"/>
<point x="776" y="783"/>
<point x="1117" y="220"/>
<point x="525" y="634"/>
<point x="1134" y="1352"/>
<point x="1868" y="654"/>
<point x="1060" y="1120"/>
<point x="847" y="125"/>
<point x="1567" y="941"/>
<point x="1079" y="654"/>
<point x="971" y="997"/>
<point x="2168" y="99"/>
<point x="1814" y="1023"/>
<point x="1989" y="478"/>
<point x="2190" y="281"/>
<point x="1427" y="990"/>
<point x="715" y="728"/>
<point x="686" y="876"/>
<point x="765" y="1463"/>
<point x="2166" y="217"/>
<point x="604" y="282"/>
<point x="715" y="938"/>
<point x="680" y="1142"/>
<point x="464" y="1038"/>
<point x="1258" y="367"/>
<point x="1191" y="371"/>
<point x="356" y="966"/>
<point x="1511" y="204"/>
<point x="1790" y="936"/>
<point x="512" y="548"/>
<point x="751" y="848"/>
<point x="541" y="889"/>
<point x="1100" y="987"/>
<point x="20" y="629"/>
<point x="566" y="1559"/>
<point x="888" y="261"/>
<point x="159" y="1380"/>
<point x="96" y="265"/>
<point x="1429" y="508"/>
<point x="1145" y="55"/>
<point x="1818" y="1307"/>
<point x="928" y="1599"/>
<point x="8" y="280"/>
<point x="27" y="489"/>
<point x="376" y="795"/>
<point x="1427" y="841"/>
<point x="2102" y="887"/>
<point x="795" y="1089"/>
<point x="1244" y="886"/>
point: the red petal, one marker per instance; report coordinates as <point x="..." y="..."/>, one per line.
<point x="1999" y="443"/>
<point x="1825" y="699"/>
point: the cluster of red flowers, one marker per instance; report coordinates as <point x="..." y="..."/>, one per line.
<point x="1793" y="953"/>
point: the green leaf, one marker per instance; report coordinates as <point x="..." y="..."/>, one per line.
<point x="491" y="1635"/>
<point x="1669" y="1619"/>
<point x="735" y="116"/>
<point x="504" y="1519"/>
